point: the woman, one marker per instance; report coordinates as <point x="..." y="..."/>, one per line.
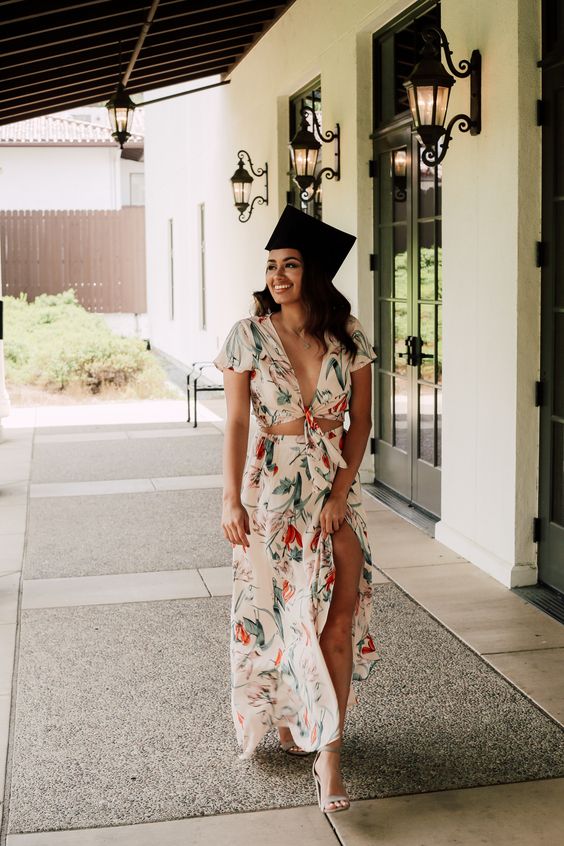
<point x="292" y="502"/>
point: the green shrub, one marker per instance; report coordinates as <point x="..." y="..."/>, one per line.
<point x="55" y="344"/>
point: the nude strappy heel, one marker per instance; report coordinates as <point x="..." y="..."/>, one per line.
<point x="333" y="797"/>
<point x="292" y="748"/>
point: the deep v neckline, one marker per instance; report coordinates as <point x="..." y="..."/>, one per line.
<point x="292" y="369"/>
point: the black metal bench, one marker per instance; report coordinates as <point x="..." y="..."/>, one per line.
<point x="196" y="374"/>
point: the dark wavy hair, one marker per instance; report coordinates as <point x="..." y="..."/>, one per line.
<point x="326" y="308"/>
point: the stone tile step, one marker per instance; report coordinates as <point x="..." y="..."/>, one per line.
<point x="117" y="486"/>
<point x="123" y="435"/>
<point x="481" y="611"/>
<point x="305" y="825"/>
<point x="537" y="672"/>
<point x="523" y="814"/>
<point x="112" y="589"/>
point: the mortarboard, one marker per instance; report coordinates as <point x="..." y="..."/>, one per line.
<point x="312" y="237"/>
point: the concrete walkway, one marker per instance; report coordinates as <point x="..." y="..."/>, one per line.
<point x="106" y="541"/>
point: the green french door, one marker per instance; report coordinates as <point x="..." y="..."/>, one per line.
<point x="408" y="314"/>
<point x="551" y="481"/>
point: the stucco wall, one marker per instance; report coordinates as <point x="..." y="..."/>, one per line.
<point x="191" y="149"/>
<point x="491" y="217"/>
<point x="59" y="178"/>
<point x="491" y="220"/>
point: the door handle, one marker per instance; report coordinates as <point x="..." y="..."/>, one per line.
<point x="413" y="351"/>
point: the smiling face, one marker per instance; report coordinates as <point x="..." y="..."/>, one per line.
<point x="284" y="272"/>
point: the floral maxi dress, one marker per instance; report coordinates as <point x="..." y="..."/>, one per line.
<point x="283" y="581"/>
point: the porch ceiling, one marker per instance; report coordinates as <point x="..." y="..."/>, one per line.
<point x="59" y="55"/>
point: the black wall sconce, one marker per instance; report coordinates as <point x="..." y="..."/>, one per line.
<point x="398" y="173"/>
<point x="428" y="89"/>
<point x="241" y="182"/>
<point x="304" y="149"/>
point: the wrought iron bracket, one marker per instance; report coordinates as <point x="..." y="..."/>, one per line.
<point x="471" y="67"/>
<point x="324" y="137"/>
<point x="261" y="201"/>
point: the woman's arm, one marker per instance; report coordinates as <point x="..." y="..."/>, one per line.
<point x="360" y="413"/>
<point x="235" y="520"/>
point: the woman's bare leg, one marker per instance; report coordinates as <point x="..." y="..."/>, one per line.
<point x="336" y="644"/>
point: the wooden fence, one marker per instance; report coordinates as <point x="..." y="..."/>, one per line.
<point x="101" y="254"/>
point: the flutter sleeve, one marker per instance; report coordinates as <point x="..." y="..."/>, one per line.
<point x="237" y="350"/>
<point x="365" y="351"/>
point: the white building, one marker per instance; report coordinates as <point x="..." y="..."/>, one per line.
<point x="468" y="446"/>
<point x="69" y="160"/>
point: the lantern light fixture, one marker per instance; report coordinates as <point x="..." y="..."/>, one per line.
<point x="304" y="150"/>
<point x="398" y="174"/>
<point x="242" y="181"/>
<point x="428" y="90"/>
<point x="120" y="108"/>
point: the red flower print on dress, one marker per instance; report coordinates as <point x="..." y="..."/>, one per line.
<point x="292" y="535"/>
<point x="326" y="461"/>
<point x="341" y="405"/>
<point x="261" y="450"/>
<point x="240" y="633"/>
<point x="368" y="646"/>
<point x="287" y="590"/>
<point x="330" y="578"/>
<point x="314" y="733"/>
<point x="315" y="540"/>
<point x="253" y="374"/>
<point x="278" y="658"/>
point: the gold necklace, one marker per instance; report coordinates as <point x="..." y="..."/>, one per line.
<point x="298" y="334"/>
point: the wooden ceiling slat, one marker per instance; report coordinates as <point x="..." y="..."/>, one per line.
<point x="107" y="53"/>
<point x="67" y="55"/>
<point x="106" y="74"/>
<point x="132" y="11"/>
<point x="34" y="12"/>
<point x="152" y="78"/>
<point x="100" y="92"/>
<point x="75" y="100"/>
<point x="181" y="19"/>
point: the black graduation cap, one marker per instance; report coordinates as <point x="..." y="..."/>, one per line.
<point x="312" y="237"/>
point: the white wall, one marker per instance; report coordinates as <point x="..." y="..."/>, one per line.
<point x="190" y="153"/>
<point x="491" y="216"/>
<point x="491" y="220"/>
<point x="59" y="177"/>
<point x="126" y="168"/>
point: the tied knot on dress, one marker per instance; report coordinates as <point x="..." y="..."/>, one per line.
<point x="320" y="452"/>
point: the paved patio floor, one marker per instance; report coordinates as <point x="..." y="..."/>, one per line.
<point x="114" y="699"/>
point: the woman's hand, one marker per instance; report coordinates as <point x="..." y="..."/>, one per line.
<point x="333" y="514"/>
<point x="235" y="523"/>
